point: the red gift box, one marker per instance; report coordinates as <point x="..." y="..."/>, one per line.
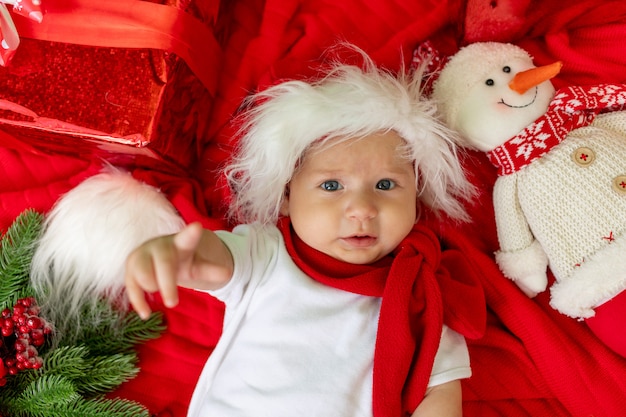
<point x="117" y="78"/>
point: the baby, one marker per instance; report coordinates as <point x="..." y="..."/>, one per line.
<point x="333" y="304"/>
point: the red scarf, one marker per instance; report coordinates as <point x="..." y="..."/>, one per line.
<point x="571" y="108"/>
<point x="421" y="288"/>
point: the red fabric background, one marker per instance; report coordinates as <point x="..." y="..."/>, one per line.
<point x="532" y="360"/>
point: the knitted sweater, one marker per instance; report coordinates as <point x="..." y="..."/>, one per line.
<point x="572" y="201"/>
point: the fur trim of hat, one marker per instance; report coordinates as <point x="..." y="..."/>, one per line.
<point x="284" y="121"/>
<point x="88" y="235"/>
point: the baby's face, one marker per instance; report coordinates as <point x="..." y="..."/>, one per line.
<point x="354" y="200"/>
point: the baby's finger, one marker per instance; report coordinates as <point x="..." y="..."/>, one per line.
<point x="165" y="271"/>
<point x="186" y="241"/>
<point x="136" y="297"/>
<point x="139" y="278"/>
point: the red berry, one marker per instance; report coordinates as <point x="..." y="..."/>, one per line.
<point x="26" y="302"/>
<point x="20" y="345"/>
<point x="26" y="332"/>
<point x="34" y="322"/>
<point x="19" y="310"/>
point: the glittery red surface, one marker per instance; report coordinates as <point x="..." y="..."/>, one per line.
<point x="147" y="97"/>
<point x="111" y="90"/>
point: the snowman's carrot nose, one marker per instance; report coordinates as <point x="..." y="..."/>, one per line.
<point x="534" y="76"/>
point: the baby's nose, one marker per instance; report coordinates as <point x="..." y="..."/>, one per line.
<point x="361" y="206"/>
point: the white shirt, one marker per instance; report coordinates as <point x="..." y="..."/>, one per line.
<point x="292" y="346"/>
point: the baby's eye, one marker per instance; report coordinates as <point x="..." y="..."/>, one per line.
<point x="385" y="184"/>
<point x="331" y="185"/>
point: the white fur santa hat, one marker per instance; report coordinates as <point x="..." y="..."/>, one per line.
<point x="88" y="234"/>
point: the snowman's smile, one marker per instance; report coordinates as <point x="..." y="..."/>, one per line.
<point x="522" y="106"/>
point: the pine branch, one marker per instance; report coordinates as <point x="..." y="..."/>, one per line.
<point x="86" y="358"/>
<point x="16" y="250"/>
<point x="105" y="330"/>
<point x="131" y="331"/>
<point x="99" y="407"/>
<point x="44" y="393"/>
<point x="108" y="372"/>
<point x="91" y="374"/>
<point x="55" y="396"/>
<point x="69" y="361"/>
<point x="15" y="385"/>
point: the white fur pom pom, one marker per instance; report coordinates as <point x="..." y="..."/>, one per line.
<point x="88" y="235"/>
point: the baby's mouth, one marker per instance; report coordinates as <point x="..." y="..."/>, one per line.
<point x="360" y="240"/>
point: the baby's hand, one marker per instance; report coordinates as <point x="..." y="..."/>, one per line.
<point x="192" y="258"/>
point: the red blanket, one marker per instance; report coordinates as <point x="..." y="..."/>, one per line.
<point x="532" y="360"/>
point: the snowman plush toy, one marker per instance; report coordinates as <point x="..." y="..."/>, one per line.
<point x="560" y="195"/>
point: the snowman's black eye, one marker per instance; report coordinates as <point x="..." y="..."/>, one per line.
<point x="506" y="69"/>
<point x="489" y="82"/>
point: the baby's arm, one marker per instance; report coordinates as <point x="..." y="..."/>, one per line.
<point x="441" y="401"/>
<point x="192" y="258"/>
